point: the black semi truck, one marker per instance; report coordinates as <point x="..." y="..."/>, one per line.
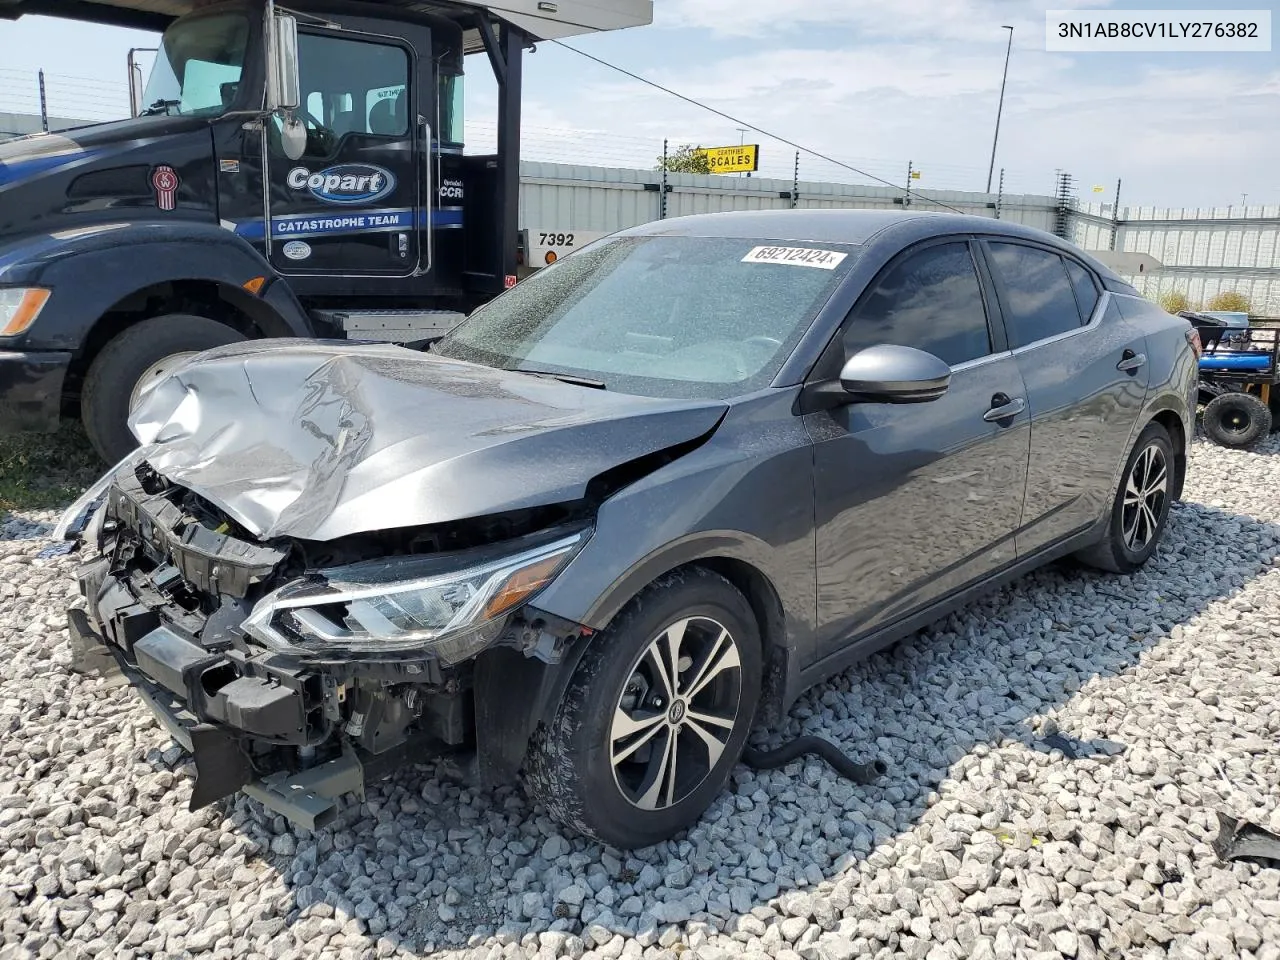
<point x="288" y="172"/>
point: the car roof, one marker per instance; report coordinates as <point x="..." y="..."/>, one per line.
<point x="893" y="228"/>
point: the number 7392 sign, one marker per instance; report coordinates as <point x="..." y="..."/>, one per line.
<point x="744" y="159"/>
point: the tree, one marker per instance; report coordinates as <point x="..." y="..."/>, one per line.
<point x="1231" y="300"/>
<point x="686" y="159"/>
<point x="1174" y="301"/>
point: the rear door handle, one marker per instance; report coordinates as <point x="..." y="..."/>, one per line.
<point x="1131" y="362"/>
<point x="1004" y="408"/>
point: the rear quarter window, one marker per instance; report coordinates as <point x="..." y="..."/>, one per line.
<point x="1085" y="289"/>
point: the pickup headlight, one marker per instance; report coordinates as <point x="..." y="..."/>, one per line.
<point x="406" y="604"/>
<point x="19" y="307"/>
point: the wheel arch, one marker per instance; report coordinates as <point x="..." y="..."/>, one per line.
<point x="743" y="560"/>
<point x="1178" y="434"/>
<point x="145" y="269"/>
<point x="215" y="299"/>
<point x="529" y="691"/>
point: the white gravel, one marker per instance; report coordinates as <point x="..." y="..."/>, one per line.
<point x="980" y="844"/>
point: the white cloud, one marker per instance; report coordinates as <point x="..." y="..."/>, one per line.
<point x="874" y="20"/>
<point x="919" y="80"/>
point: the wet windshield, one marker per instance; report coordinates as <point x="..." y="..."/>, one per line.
<point x="197" y="71"/>
<point x="690" y="317"/>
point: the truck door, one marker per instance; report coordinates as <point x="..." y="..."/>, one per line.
<point x="349" y="205"/>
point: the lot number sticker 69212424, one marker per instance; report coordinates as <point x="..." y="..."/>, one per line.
<point x="796" y="257"/>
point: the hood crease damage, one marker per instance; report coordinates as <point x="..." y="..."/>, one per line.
<point x="317" y="440"/>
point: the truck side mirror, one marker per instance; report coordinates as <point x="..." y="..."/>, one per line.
<point x="283" y="85"/>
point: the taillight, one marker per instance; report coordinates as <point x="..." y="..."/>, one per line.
<point x="1193" y="338"/>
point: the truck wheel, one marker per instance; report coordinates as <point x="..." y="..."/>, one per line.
<point x="656" y="715"/>
<point x="1236" y="420"/>
<point x="131" y="363"/>
<point x="1141" y="507"/>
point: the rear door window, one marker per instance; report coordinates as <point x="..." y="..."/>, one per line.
<point x="1037" y="294"/>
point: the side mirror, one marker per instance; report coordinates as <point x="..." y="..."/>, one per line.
<point x="888" y="373"/>
<point x="283" y="86"/>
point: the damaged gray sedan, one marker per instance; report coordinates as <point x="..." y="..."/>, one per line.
<point x="625" y="511"/>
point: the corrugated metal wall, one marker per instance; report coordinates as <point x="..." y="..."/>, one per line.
<point x="1203" y="251"/>
<point x="558" y="196"/>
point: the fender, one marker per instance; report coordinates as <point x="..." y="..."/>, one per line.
<point x="123" y="258"/>
<point x="514" y="693"/>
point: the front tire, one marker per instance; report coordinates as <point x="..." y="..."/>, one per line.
<point x="145" y="351"/>
<point x="656" y="715"/>
<point x="1140" y="511"/>
<point x="1236" y="420"/>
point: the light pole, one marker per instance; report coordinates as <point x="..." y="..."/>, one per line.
<point x="1003" y="80"/>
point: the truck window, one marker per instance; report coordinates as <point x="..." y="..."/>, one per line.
<point x="197" y="70"/>
<point x="451" y="113"/>
<point x="353" y="86"/>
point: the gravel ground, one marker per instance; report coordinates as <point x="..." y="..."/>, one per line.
<point x="981" y="843"/>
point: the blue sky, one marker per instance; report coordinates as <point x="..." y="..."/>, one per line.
<point x="876" y="83"/>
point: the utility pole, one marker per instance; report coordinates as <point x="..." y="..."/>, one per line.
<point x="44" y="108"/>
<point x="795" y="183"/>
<point x="662" y="199"/>
<point x="1000" y="110"/>
<point x="1115" y="217"/>
<point x="742" y="139"/>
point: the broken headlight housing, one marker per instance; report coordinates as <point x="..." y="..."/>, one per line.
<point x="407" y="605"/>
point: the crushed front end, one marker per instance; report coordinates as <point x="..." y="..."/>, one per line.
<point x="297" y="670"/>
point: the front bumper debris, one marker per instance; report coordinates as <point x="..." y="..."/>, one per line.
<point x="222" y="768"/>
<point x="224" y="757"/>
<point x="164" y="594"/>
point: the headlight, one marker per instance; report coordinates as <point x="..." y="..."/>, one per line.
<point x="19" y="307"/>
<point x="76" y="517"/>
<point x="406" y="604"/>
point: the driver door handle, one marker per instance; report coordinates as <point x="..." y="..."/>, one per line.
<point x="1004" y="408"/>
<point x="1131" y="362"/>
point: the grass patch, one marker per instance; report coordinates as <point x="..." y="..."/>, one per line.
<point x="44" y="471"/>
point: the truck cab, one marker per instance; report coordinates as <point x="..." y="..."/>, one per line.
<point x="284" y="174"/>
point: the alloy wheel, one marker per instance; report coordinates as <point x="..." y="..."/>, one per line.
<point x="676" y="712"/>
<point x="1144" y="498"/>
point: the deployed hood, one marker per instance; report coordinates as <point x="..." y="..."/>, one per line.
<point x="321" y="440"/>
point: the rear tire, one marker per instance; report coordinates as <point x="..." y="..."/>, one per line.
<point x="1236" y="420"/>
<point x="117" y="369"/>
<point x="600" y="766"/>
<point x="1140" y="510"/>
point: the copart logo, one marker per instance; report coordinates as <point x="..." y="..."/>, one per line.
<point x="346" y="183"/>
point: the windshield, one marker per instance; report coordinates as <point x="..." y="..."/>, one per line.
<point x="197" y="71"/>
<point x="687" y="317"/>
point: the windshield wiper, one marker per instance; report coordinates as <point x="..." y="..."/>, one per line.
<point x="160" y="106"/>
<point x="565" y="378"/>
